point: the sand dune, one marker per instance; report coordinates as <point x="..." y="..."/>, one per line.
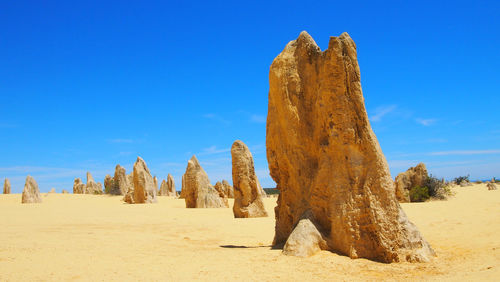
<point x="87" y="237"/>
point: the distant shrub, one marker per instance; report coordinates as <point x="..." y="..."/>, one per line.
<point x="478" y="182"/>
<point x="109" y="186"/>
<point x="271" y="191"/>
<point x="437" y="188"/>
<point x="419" y="194"/>
<point x="461" y="179"/>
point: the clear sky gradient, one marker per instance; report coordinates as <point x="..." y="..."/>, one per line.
<point x="85" y="85"/>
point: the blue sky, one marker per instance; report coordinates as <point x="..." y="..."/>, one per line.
<point x="85" y="85"/>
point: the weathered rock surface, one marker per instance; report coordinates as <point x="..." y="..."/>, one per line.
<point x="228" y="189"/>
<point x="171" y="186"/>
<point x="52" y="191"/>
<point x="155" y="181"/>
<point x="163" y="188"/>
<point x="491" y="186"/>
<point x="130" y="179"/>
<point x="263" y="193"/>
<point x="31" y="193"/>
<point x="167" y="188"/>
<point x="64" y="191"/>
<point x="122" y="181"/>
<point x="183" y="190"/>
<point x="78" y="186"/>
<point x="247" y="190"/>
<point x="109" y="184"/>
<point x="6" y="186"/>
<point x="119" y="184"/>
<point x="327" y="162"/>
<point x="305" y="240"/>
<point x="414" y="176"/>
<point x="92" y="187"/>
<point x="220" y="189"/>
<point x="224" y="188"/>
<point x="144" y="190"/>
<point x="197" y="190"/>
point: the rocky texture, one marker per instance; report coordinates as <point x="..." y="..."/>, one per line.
<point x="197" y="190"/>
<point x="167" y="188"/>
<point x="228" y="189"/>
<point x="183" y="190"/>
<point x="171" y="186"/>
<point x="263" y="193"/>
<point x="122" y="181"/>
<point x="220" y="189"/>
<point x="109" y="184"/>
<point x="52" y="191"/>
<point x="92" y="187"/>
<point x="130" y="179"/>
<point x="119" y="184"/>
<point x="225" y="188"/>
<point x="305" y="239"/>
<point x="6" y="186"/>
<point x="144" y="190"/>
<point x="327" y="162"/>
<point x="163" y="188"/>
<point x="31" y="194"/>
<point x="155" y="181"/>
<point x="491" y="186"/>
<point x="64" y="191"/>
<point x="414" y="176"/>
<point x="78" y="186"/>
<point x="247" y="190"/>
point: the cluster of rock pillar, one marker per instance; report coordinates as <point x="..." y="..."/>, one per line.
<point x="336" y="192"/>
<point x="247" y="192"/>
<point x="91" y="187"/>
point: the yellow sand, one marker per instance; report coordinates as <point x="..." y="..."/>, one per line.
<point x="86" y="237"/>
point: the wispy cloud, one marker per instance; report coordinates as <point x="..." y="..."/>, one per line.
<point x="425" y="122"/>
<point x="258" y="118"/>
<point x="216" y="118"/>
<point x="464" y="152"/>
<point x="120" y="140"/>
<point x="381" y="111"/>
<point x="212" y="150"/>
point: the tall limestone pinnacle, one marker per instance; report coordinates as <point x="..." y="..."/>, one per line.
<point x="31" y="193"/>
<point x="144" y="190"/>
<point x="197" y="190"/>
<point x="247" y="190"/>
<point x="336" y="191"/>
<point x="6" y="186"/>
<point x="167" y="188"/>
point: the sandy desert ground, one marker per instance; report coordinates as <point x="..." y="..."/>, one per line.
<point x="87" y="237"/>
